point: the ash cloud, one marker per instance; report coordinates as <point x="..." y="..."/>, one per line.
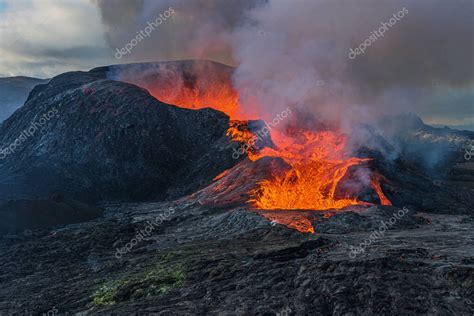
<point x="432" y="43"/>
<point x="200" y="29"/>
<point x="296" y="53"/>
<point x="428" y="51"/>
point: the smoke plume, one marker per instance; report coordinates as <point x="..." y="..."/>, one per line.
<point x="200" y="29"/>
<point x="296" y="53"/>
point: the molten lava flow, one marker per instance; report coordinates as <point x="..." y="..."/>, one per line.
<point x="375" y="181"/>
<point x="239" y="132"/>
<point x="318" y="161"/>
<point x="221" y="97"/>
<point x="301" y="221"/>
<point x="318" y="164"/>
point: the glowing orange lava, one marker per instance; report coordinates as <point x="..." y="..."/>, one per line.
<point x="375" y="181"/>
<point x="318" y="163"/>
<point x="221" y="97"/>
<point x="318" y="159"/>
<point x="240" y="132"/>
<point x="301" y="221"/>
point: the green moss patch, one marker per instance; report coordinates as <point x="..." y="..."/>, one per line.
<point x="152" y="282"/>
<point x="106" y="294"/>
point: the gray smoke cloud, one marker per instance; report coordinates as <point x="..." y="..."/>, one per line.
<point x="302" y="57"/>
<point x="296" y="53"/>
<point x="200" y="29"/>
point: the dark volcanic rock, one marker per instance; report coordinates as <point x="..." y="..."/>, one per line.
<point x="106" y="139"/>
<point x="210" y="261"/>
<point x="31" y="214"/>
<point x="232" y="187"/>
<point x="209" y="253"/>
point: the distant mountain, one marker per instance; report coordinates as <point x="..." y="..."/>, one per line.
<point x="428" y="146"/>
<point x="14" y="92"/>
<point x="464" y="127"/>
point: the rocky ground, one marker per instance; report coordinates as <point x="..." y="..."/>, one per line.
<point x="196" y="260"/>
<point x="75" y="241"/>
<point x="91" y="138"/>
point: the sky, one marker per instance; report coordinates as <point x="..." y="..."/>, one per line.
<point x="424" y="63"/>
<point x="45" y="38"/>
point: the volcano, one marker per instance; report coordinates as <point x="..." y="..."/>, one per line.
<point x="175" y="200"/>
<point x="317" y="160"/>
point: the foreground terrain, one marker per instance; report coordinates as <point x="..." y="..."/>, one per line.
<point x="201" y="260"/>
<point x="122" y="204"/>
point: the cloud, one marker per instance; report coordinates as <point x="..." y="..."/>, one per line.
<point x="283" y="49"/>
<point x="45" y="37"/>
<point x="199" y="29"/>
<point x="426" y="54"/>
